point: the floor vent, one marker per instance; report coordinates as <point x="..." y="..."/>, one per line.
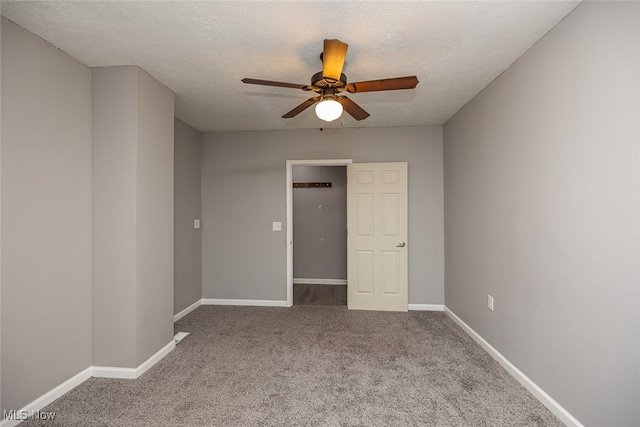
<point x="178" y="337"/>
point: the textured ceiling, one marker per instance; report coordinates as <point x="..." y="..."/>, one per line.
<point x="201" y="51"/>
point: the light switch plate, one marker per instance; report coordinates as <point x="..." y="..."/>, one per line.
<point x="276" y="226"/>
<point x="196" y="223"/>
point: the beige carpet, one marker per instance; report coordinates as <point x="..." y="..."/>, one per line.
<point x="310" y="366"/>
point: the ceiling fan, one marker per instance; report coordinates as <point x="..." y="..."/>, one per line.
<point x="329" y="82"/>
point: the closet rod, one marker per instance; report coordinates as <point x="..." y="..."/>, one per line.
<point x="311" y="184"/>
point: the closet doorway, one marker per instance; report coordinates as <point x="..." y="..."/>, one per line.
<point x="317" y="232"/>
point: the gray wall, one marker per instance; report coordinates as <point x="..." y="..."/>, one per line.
<point x="243" y="191"/>
<point x="541" y="208"/>
<point x="1" y="406"/>
<point x="154" y="217"/>
<point x="114" y="216"/>
<point x="320" y="223"/>
<point x="46" y="217"/>
<point x="187" y="278"/>
<point x="132" y="216"/>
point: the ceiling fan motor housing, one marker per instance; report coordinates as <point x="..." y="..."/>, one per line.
<point x="321" y="82"/>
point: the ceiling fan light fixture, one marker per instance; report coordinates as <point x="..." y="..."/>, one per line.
<point x="328" y="110"/>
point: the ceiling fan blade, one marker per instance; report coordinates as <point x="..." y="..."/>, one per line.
<point x="271" y="83"/>
<point x="333" y="58"/>
<point x="383" y="84"/>
<point x="300" y="108"/>
<point x="352" y="108"/>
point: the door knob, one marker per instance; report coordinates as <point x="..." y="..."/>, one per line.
<point x="401" y="245"/>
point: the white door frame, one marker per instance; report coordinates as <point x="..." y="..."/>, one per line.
<point x="289" y="183"/>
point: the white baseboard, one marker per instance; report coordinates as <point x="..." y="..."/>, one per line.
<point x="533" y="388"/>
<point x="426" y="307"/>
<point x="319" y="281"/>
<point x="92" y="371"/>
<point x="132" y="373"/>
<point x="247" y="302"/>
<point x="49" y="397"/>
<point x="113" y="372"/>
<point x="187" y="310"/>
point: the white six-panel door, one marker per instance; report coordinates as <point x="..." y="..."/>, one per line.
<point x="377" y="236"/>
